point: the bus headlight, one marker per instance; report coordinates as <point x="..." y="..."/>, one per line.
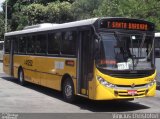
<point x="104" y="82"/>
<point x="151" y="83"/>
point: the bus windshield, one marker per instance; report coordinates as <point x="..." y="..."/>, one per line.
<point x="125" y="52"/>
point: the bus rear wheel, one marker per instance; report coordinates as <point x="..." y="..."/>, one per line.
<point x="68" y="91"/>
<point x="21" y="77"/>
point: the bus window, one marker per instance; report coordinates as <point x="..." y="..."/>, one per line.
<point x="41" y="43"/>
<point x="53" y="43"/>
<point x="157" y="47"/>
<point x="69" y="43"/>
<point x="7" y="45"/>
<point x="1" y="45"/>
<point x="31" y="44"/>
<point x="22" y="44"/>
<point x="16" y="45"/>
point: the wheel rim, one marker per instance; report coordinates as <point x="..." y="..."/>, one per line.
<point x="21" y="76"/>
<point x="68" y="90"/>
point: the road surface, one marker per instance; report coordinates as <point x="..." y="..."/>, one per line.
<point x="15" y="98"/>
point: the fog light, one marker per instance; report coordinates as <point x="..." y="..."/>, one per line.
<point x="116" y="93"/>
<point x="146" y="92"/>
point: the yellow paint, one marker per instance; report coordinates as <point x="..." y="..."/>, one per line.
<point x="98" y="91"/>
<point x="48" y="72"/>
<point x="43" y="70"/>
<point x="6" y="64"/>
<point x="84" y="91"/>
<point x="121" y="81"/>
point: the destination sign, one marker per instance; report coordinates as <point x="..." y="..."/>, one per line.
<point x="127" y="24"/>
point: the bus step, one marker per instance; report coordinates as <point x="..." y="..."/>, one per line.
<point x="86" y="96"/>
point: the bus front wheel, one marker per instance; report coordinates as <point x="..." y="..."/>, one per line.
<point x="21" y="77"/>
<point x="68" y="91"/>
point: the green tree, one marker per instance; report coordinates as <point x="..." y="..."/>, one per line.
<point x="28" y="12"/>
<point x="35" y="13"/>
<point x="108" y="8"/>
<point x="59" y="12"/>
<point x="83" y="9"/>
<point x="1" y="26"/>
<point x="45" y="2"/>
<point x="141" y="9"/>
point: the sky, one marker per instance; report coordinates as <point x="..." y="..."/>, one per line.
<point x="1" y="1"/>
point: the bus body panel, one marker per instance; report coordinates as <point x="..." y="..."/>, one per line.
<point x="43" y="70"/>
<point x="126" y="81"/>
<point x="103" y="93"/>
<point x="6" y="63"/>
<point x="98" y="91"/>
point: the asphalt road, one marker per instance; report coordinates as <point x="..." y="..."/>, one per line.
<point x="36" y="99"/>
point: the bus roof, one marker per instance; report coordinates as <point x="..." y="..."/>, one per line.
<point x="49" y="26"/>
<point x="157" y="34"/>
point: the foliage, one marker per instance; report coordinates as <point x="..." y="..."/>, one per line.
<point x="108" y="8"/>
<point x="35" y="13"/>
<point x="83" y="9"/>
<point x="59" y="12"/>
<point x="141" y="9"/>
<point x="28" y="12"/>
<point x="1" y="26"/>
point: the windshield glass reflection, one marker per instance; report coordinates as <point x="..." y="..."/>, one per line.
<point x="125" y="52"/>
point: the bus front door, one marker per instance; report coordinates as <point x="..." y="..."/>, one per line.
<point x="85" y="67"/>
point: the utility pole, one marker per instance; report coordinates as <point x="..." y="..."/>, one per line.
<point x="6" y="17"/>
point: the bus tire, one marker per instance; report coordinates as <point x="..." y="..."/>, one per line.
<point x="68" y="91"/>
<point x="21" y="77"/>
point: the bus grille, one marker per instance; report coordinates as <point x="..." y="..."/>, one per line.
<point x="129" y="75"/>
<point x="125" y="93"/>
<point x="129" y="86"/>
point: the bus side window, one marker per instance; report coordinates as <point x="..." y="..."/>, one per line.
<point x="54" y="43"/>
<point x="41" y="44"/>
<point x="31" y="44"/>
<point x="69" y="43"/>
<point x="157" y="47"/>
<point x="7" y="45"/>
<point x="15" y="45"/>
<point x="22" y="44"/>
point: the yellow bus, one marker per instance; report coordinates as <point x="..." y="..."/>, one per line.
<point x="99" y="58"/>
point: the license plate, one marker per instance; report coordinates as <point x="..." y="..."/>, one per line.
<point x="132" y="92"/>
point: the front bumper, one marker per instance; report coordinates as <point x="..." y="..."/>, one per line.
<point x="104" y="93"/>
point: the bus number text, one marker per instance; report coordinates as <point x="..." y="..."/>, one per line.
<point x="29" y="62"/>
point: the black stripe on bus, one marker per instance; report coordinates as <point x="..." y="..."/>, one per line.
<point x="43" y="72"/>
